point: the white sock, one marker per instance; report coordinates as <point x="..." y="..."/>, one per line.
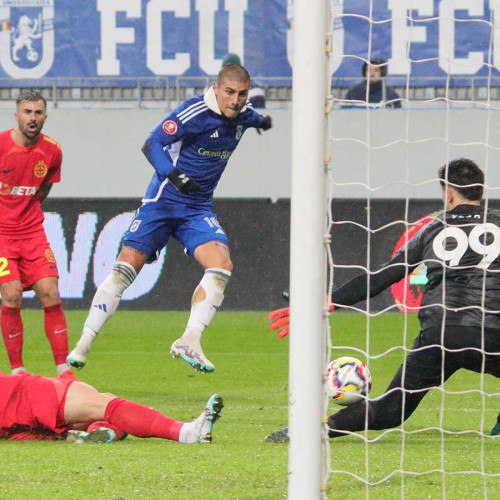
<point x="207" y="298"/>
<point x="62" y="368"/>
<point x="17" y="370"/>
<point x="187" y="433"/>
<point x="105" y="302"/>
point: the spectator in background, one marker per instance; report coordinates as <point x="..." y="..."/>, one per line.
<point x="256" y="94"/>
<point x="374" y="86"/>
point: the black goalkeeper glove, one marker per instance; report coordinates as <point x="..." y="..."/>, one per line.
<point x="265" y="125"/>
<point x="182" y="182"/>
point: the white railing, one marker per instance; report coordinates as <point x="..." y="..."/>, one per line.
<point x="168" y="91"/>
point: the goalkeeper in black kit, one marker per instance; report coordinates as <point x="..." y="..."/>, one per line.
<point x="460" y="310"/>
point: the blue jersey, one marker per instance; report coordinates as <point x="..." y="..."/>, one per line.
<point x="197" y="139"/>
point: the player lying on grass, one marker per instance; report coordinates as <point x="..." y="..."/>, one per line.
<point x="460" y="310"/>
<point x="36" y="407"/>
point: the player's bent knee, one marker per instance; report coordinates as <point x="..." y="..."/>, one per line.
<point x="12" y="299"/>
<point x="50" y="298"/>
<point x="12" y="294"/>
<point x="227" y="266"/>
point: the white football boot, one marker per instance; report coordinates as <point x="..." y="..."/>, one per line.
<point x="191" y="352"/>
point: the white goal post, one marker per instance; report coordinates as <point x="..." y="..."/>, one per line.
<point x="379" y="155"/>
<point x="308" y="263"/>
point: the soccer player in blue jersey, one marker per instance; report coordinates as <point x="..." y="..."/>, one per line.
<point x="189" y="151"/>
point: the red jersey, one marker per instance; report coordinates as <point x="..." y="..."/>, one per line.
<point x="32" y="402"/>
<point x="22" y="171"/>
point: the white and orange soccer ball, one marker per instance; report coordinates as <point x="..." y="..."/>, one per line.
<point x="348" y="380"/>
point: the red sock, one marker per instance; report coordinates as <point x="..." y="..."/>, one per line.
<point x="12" y="331"/>
<point x="119" y="434"/>
<point x="141" y="421"/>
<point x="57" y="332"/>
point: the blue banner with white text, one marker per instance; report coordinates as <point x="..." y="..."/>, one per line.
<point x="102" y="39"/>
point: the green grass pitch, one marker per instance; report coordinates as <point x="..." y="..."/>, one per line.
<point x="131" y="359"/>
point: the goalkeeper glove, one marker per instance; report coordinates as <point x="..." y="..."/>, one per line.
<point x="182" y="182"/>
<point x="265" y="125"/>
<point x="280" y="321"/>
<point x="280" y="318"/>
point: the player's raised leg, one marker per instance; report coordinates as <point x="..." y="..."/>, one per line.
<point x="207" y="298"/>
<point x="106" y="301"/>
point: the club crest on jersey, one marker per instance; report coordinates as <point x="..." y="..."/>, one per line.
<point x="239" y="131"/>
<point x="40" y="169"/>
<point x="135" y="225"/>
<point x="169" y="127"/>
<point x="49" y="255"/>
<point x="4" y="188"/>
<point x="27" y="37"/>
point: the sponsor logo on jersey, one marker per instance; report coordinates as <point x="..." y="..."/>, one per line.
<point x="135" y="225"/>
<point x="8" y="170"/>
<point x="215" y="134"/>
<point x="169" y="127"/>
<point x="17" y="190"/>
<point x="239" y="132"/>
<point x="40" y="169"/>
<point x="49" y="255"/>
<point x="223" y="155"/>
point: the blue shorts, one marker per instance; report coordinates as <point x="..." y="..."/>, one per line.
<point x="154" y="223"/>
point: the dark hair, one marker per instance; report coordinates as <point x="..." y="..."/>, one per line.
<point x="463" y="172"/>
<point x="375" y="62"/>
<point x="231" y="59"/>
<point x="30" y="95"/>
<point x="234" y="72"/>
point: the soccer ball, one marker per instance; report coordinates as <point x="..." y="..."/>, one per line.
<point x="348" y="380"/>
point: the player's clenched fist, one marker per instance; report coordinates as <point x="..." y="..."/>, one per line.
<point x="182" y="182"/>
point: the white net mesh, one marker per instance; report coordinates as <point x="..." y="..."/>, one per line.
<point x="383" y="188"/>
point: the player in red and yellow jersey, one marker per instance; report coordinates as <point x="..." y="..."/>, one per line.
<point x="30" y="162"/>
<point x="36" y="407"/>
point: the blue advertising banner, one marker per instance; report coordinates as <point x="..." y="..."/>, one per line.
<point x="157" y="38"/>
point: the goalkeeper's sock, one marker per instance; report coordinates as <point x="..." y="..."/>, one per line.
<point x="207" y="298"/>
<point x="141" y="421"/>
<point x="105" y="302"/>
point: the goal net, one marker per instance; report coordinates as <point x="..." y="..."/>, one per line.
<point x="436" y="101"/>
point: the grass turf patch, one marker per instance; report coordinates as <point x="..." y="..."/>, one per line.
<point x="131" y="358"/>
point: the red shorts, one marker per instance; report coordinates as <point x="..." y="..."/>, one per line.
<point x="33" y="402"/>
<point x="27" y="260"/>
